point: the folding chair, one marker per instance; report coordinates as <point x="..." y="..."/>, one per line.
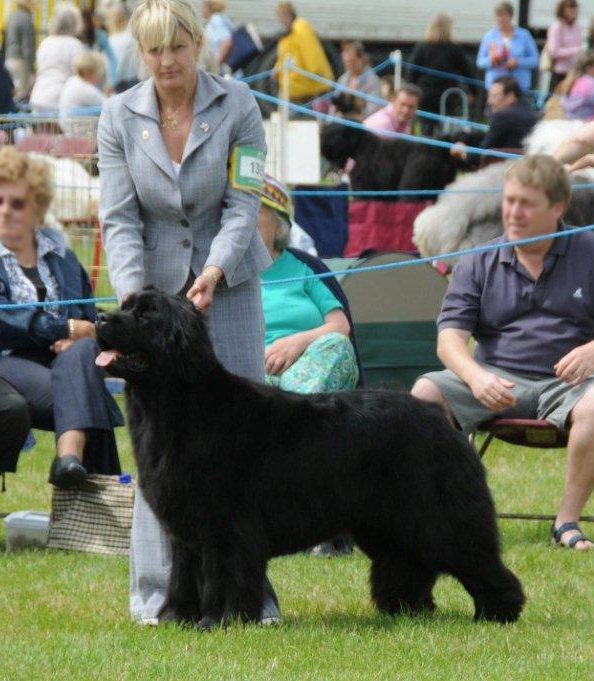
<point x="526" y="433"/>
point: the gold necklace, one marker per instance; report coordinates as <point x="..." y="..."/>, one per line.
<point x="169" y="118"/>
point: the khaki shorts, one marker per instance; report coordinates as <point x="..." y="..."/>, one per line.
<point x="547" y="398"/>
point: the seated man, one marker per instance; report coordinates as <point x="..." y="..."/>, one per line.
<point x="399" y="114"/>
<point x="529" y="307"/>
<point x="510" y="120"/>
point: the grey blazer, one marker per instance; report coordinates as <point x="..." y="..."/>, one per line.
<point x="156" y="226"/>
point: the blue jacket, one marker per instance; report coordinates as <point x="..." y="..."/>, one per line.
<point x="523" y="49"/>
<point x="33" y="327"/>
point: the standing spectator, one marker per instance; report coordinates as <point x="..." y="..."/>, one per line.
<point x="301" y="43"/>
<point x="358" y="75"/>
<point x="507" y="50"/>
<point x="439" y="53"/>
<point x="55" y="57"/>
<point x="19" y="46"/>
<point x="94" y="36"/>
<point x="81" y="91"/>
<point x="218" y="29"/>
<point x="399" y="114"/>
<point x="564" y="41"/>
<point x="124" y="48"/>
<point x="578" y="88"/>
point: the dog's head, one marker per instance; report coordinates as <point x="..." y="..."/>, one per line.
<point x="340" y="142"/>
<point x="156" y="338"/>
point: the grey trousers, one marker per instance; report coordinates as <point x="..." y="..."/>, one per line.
<point x="236" y="327"/>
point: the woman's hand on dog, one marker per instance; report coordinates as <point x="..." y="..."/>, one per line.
<point x="284" y="352"/>
<point x="202" y="290"/>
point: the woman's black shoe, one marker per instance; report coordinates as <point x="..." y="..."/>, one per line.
<point x="67" y="471"/>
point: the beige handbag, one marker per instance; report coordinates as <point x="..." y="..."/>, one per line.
<point x="96" y="518"/>
<point x="545" y="62"/>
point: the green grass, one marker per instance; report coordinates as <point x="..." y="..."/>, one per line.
<point x="65" y="615"/>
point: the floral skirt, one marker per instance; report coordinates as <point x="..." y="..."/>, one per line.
<point x="328" y="364"/>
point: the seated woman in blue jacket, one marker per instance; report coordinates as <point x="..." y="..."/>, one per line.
<point x="308" y="335"/>
<point x="47" y="354"/>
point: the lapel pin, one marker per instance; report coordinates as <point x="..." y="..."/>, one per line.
<point x="145" y="134"/>
<point x="204" y="126"/>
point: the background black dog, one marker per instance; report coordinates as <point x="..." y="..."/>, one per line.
<point x="383" y="163"/>
<point x="239" y="472"/>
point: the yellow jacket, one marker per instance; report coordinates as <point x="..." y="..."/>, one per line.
<point x="303" y="45"/>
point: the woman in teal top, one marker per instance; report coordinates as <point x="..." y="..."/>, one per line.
<point x="307" y="333"/>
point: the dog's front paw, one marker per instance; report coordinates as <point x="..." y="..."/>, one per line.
<point x="207" y="623"/>
<point x="171" y="613"/>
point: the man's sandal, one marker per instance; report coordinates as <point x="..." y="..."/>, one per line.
<point x="566" y="527"/>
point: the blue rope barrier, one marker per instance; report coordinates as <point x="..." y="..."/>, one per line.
<point x="413" y="192"/>
<point x="417" y="139"/>
<point x="444" y="74"/>
<point x="377" y="69"/>
<point x="380" y="100"/>
<point x="256" y="76"/>
<point x="355" y="270"/>
<point x="57" y="303"/>
<point x="430" y="259"/>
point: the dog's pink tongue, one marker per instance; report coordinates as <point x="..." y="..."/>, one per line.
<point x="106" y="357"/>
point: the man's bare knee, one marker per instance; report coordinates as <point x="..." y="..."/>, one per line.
<point x="425" y="389"/>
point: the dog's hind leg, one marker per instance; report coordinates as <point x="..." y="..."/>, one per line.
<point x="400" y="584"/>
<point x="496" y="591"/>
<point x="183" y="594"/>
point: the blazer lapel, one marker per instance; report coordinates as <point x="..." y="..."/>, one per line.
<point x="208" y="113"/>
<point x="144" y="126"/>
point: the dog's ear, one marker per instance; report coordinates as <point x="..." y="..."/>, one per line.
<point x="192" y="353"/>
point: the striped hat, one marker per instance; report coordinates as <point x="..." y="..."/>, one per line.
<point x="275" y="195"/>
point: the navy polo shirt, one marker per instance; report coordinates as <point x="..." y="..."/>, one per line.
<point x="521" y="324"/>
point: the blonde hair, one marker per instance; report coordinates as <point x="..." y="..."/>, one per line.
<point x="439" y="29"/>
<point x="287" y="8"/>
<point x="154" y="23"/>
<point x="116" y="18"/>
<point x="16" y="166"/>
<point x="67" y="20"/>
<point x="89" y="63"/>
<point x="543" y="172"/>
<point x="215" y="5"/>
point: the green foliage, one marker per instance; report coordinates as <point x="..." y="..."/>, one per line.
<point x="65" y="615"/>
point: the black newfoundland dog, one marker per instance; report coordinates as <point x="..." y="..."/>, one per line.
<point x="239" y="473"/>
<point x="383" y="163"/>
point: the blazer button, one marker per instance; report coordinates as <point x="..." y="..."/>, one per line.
<point x="189" y="206"/>
<point x="185" y="223"/>
<point x="186" y="243"/>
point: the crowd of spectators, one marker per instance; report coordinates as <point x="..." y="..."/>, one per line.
<point x="166" y="222"/>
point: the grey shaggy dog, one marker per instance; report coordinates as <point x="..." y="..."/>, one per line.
<point x="460" y="221"/>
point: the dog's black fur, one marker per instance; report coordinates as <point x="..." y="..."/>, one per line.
<point x="239" y="473"/>
<point x="383" y="163"/>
